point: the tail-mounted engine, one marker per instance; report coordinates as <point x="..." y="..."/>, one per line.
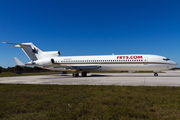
<point x="47" y="61"/>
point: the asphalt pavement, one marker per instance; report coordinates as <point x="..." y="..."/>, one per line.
<point x="169" y="78"/>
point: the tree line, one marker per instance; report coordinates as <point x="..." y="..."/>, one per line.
<point x="19" y="70"/>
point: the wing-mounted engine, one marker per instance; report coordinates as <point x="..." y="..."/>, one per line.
<point x="49" y="54"/>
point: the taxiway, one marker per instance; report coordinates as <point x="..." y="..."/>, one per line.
<point x="169" y="78"/>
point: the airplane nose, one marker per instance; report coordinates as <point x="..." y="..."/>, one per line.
<point x="175" y="64"/>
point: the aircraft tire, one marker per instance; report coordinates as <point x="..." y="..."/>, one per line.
<point x="75" y="74"/>
<point x="155" y="74"/>
<point x="84" y="74"/>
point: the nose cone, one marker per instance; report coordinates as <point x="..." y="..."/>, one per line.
<point x="174" y="64"/>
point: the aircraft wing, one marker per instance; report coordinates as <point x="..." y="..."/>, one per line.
<point x="85" y="67"/>
<point x="65" y="66"/>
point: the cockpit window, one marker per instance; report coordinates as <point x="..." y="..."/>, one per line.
<point x="166" y="59"/>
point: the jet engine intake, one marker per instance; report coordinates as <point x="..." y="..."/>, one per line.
<point x="52" y="61"/>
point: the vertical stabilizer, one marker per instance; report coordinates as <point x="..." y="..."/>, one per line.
<point x="30" y="50"/>
<point x="34" y="53"/>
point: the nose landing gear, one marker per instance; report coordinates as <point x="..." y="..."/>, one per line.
<point x="155" y="74"/>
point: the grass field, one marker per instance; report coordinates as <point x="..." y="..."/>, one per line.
<point x="35" y="102"/>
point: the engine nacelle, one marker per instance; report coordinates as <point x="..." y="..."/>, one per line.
<point x="49" y="54"/>
<point x="47" y="61"/>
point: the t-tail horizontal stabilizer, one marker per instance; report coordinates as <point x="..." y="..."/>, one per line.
<point x="11" y="43"/>
<point x="18" y="62"/>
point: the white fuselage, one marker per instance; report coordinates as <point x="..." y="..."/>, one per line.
<point x="51" y="60"/>
<point x="115" y="62"/>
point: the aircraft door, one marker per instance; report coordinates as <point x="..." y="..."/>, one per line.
<point x="144" y="66"/>
<point x="145" y="59"/>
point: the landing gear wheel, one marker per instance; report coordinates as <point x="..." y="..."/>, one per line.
<point x="155" y="74"/>
<point x="84" y="74"/>
<point x="75" y="74"/>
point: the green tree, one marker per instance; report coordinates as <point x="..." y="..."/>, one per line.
<point x="17" y="70"/>
<point x="0" y="69"/>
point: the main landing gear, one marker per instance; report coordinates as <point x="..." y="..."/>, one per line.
<point x="155" y="74"/>
<point x="76" y="74"/>
<point x="84" y="74"/>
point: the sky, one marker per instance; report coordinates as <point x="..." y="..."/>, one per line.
<point x="90" y="27"/>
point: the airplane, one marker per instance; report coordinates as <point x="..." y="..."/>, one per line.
<point x="53" y="61"/>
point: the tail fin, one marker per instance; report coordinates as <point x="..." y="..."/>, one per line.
<point x="33" y="52"/>
<point x="29" y="49"/>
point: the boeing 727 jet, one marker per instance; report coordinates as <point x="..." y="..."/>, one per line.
<point x="84" y="64"/>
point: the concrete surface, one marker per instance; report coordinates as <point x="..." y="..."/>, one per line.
<point x="170" y="78"/>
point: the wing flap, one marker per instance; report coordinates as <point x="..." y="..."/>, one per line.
<point x="66" y="66"/>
